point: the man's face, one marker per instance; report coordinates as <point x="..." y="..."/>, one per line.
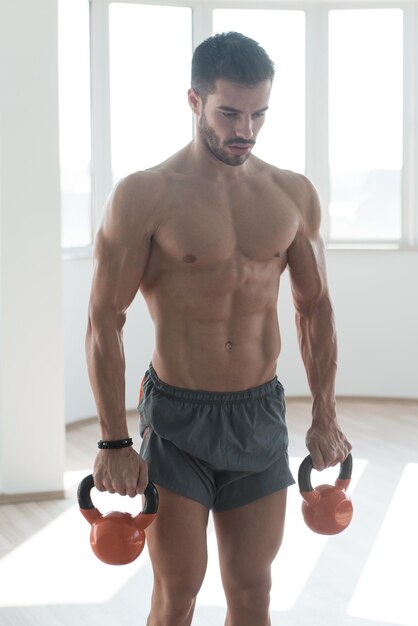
<point x="231" y="119"/>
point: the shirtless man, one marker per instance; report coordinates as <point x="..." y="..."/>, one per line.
<point x="205" y="237"/>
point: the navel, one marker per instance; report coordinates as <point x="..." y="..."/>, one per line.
<point x="189" y="258"/>
<point x="228" y="346"/>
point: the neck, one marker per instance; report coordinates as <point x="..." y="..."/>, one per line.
<point x="207" y="164"/>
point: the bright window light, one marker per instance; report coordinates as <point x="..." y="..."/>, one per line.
<point x="365" y="123"/>
<point x="282" y="34"/>
<point x="74" y="122"/>
<point x="150" y="56"/>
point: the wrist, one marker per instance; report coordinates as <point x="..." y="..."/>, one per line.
<point x="324" y="412"/>
<point x="115" y="444"/>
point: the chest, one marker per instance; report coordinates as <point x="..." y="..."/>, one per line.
<point x="209" y="226"/>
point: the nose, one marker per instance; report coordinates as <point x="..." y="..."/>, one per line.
<point x="245" y="127"/>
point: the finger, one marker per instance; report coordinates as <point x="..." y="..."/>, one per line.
<point x="142" y="481"/>
<point x="313" y="445"/>
<point x="343" y="453"/>
<point x="99" y="485"/>
<point x="117" y="486"/>
<point x="131" y="489"/>
<point x="317" y="459"/>
<point x="333" y="457"/>
<point x="141" y="488"/>
<point x="330" y="459"/>
<point x="329" y="455"/>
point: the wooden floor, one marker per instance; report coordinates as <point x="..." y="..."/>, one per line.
<point x="366" y="576"/>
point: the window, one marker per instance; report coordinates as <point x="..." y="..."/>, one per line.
<point x="282" y="35"/>
<point x="365" y="124"/>
<point x="150" y="56"/>
<point x="343" y="107"/>
<point x="74" y="122"/>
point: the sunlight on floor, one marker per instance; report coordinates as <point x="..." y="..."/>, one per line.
<point x="291" y="573"/>
<point x="288" y="579"/>
<point x="57" y="565"/>
<point x="387" y="589"/>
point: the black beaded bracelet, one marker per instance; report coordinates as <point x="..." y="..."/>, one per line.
<point x="114" y="445"/>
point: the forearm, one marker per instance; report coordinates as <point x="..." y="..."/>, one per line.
<point x="318" y="346"/>
<point x="106" y="368"/>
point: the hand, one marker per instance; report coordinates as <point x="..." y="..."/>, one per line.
<point x="120" y="471"/>
<point x="327" y="445"/>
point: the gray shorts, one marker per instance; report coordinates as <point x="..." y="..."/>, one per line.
<point x="222" y="449"/>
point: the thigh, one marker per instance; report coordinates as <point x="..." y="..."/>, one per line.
<point x="177" y="542"/>
<point x="249" y="538"/>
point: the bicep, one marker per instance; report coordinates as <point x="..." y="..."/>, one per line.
<point x="117" y="272"/>
<point x="306" y="257"/>
<point x="306" y="262"/>
<point x="121" y="252"/>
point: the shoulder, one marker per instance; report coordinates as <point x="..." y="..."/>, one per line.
<point x="140" y="190"/>
<point x="302" y="194"/>
<point x="133" y="202"/>
<point x="296" y="185"/>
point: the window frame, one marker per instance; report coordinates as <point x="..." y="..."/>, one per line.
<point x="317" y="168"/>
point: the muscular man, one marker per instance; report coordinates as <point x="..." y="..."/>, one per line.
<point x="205" y="237"/>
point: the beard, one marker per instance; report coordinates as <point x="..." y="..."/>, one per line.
<point x="219" y="149"/>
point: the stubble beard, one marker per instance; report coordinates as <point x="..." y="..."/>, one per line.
<point x="214" y="145"/>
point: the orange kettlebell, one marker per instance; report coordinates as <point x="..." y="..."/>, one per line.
<point x="117" y="538"/>
<point x="327" y="509"/>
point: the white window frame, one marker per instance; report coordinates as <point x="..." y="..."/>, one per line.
<point x="317" y="168"/>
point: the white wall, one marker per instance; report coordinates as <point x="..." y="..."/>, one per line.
<point x="31" y="330"/>
<point x="376" y="305"/>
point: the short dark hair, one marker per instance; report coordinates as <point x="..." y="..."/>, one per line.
<point x="231" y="56"/>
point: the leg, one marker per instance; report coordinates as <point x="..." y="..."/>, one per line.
<point x="177" y="547"/>
<point x="249" y="538"/>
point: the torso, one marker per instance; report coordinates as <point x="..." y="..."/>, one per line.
<point x="212" y="279"/>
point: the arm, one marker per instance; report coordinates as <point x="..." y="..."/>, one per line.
<point x="316" y="332"/>
<point x="121" y="252"/>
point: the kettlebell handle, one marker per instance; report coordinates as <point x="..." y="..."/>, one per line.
<point x="306" y="467"/>
<point x="85" y="502"/>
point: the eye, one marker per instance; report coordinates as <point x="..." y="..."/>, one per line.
<point x="260" y="114"/>
<point x="228" y="114"/>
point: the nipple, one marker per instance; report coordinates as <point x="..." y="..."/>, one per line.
<point x="277" y="255"/>
<point x="189" y="258"/>
<point x="228" y="345"/>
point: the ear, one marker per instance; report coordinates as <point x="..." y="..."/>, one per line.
<point x="195" y="101"/>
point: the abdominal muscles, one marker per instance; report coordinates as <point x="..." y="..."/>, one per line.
<point x="216" y="327"/>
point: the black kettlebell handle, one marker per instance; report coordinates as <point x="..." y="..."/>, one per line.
<point x="87" y="484"/>
<point x="306" y="467"/>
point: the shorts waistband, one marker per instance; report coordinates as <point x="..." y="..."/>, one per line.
<point x="215" y="397"/>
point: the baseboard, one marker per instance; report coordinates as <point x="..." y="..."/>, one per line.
<point x="358" y="399"/>
<point x="132" y="413"/>
<point x="40" y="496"/>
<point x="86" y="421"/>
